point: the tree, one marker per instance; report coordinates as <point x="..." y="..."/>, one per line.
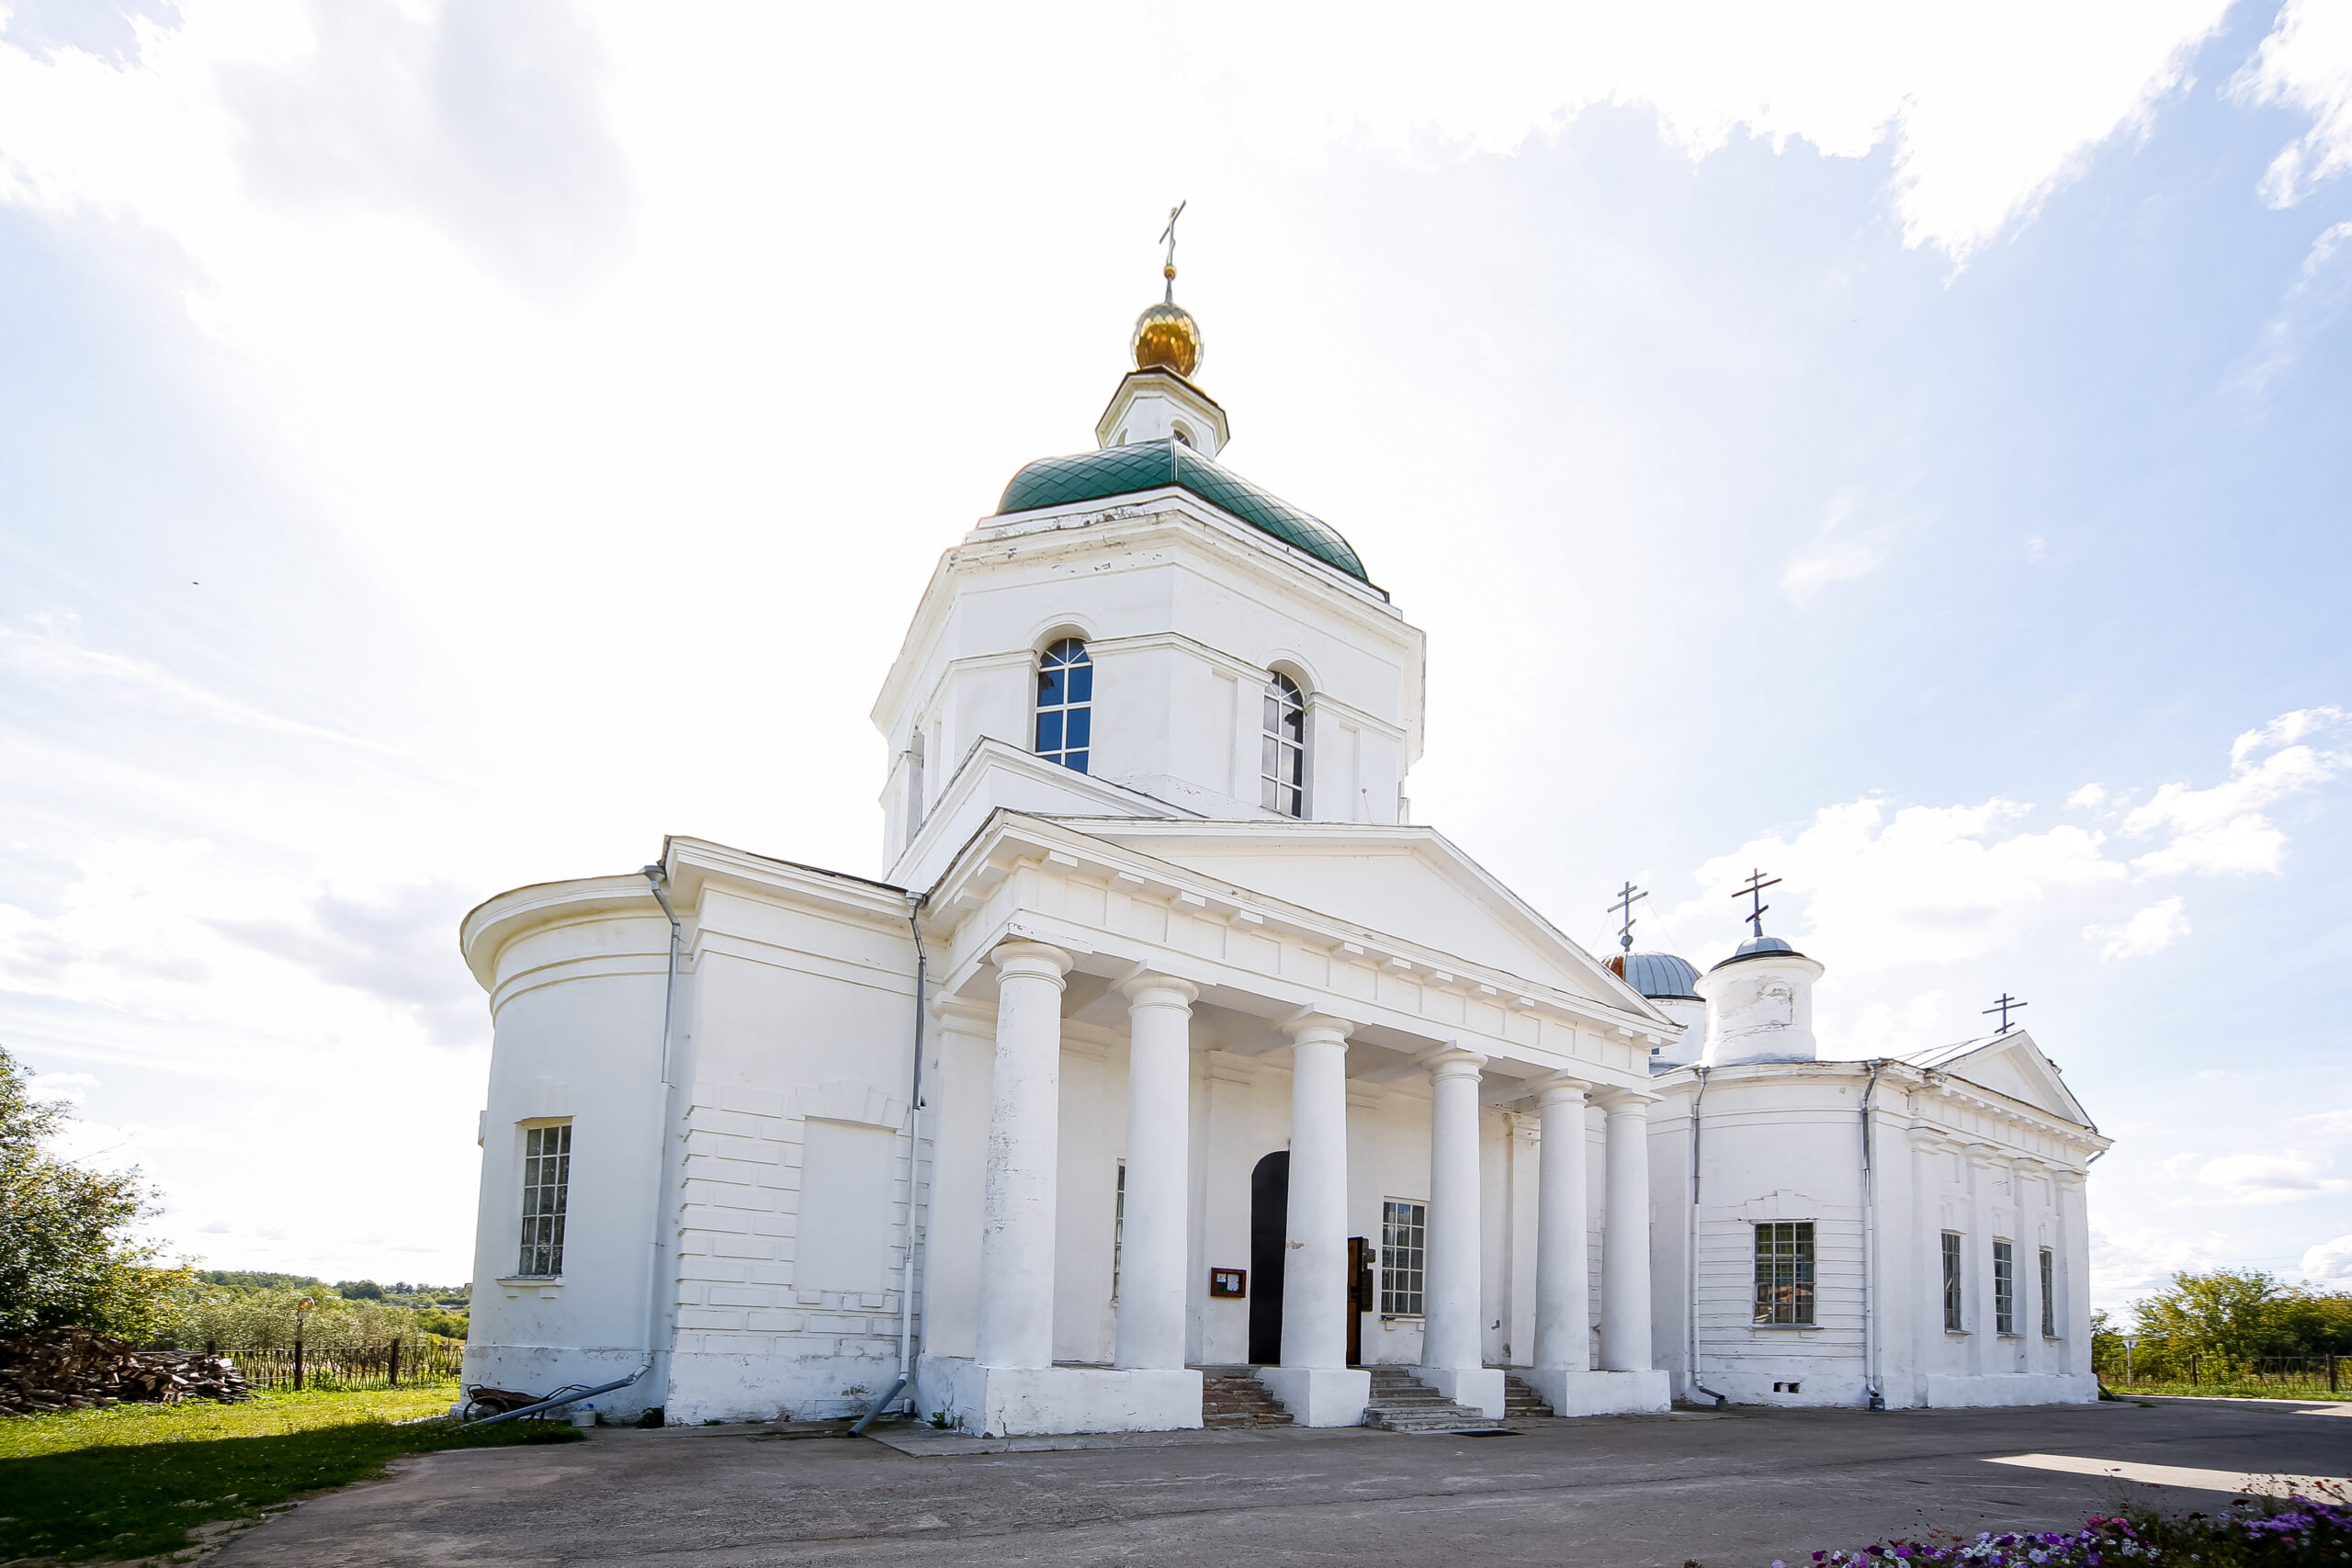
<point x="2240" y="1314"/>
<point x="67" y="1255"/>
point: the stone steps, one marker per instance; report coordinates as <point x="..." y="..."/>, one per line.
<point x="1521" y="1403"/>
<point x="1236" y="1401"/>
<point x="1402" y="1403"/>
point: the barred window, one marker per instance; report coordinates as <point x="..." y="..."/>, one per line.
<point x="2048" y="1295"/>
<point x="1118" y="1228"/>
<point x="1952" y="1281"/>
<point x="547" y="1174"/>
<point x="1784" y="1271"/>
<point x="1282" y="760"/>
<point x="2004" y="1288"/>
<point x="1404" y="1239"/>
<point x="1066" y="703"/>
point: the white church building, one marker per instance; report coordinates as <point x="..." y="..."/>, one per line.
<point x="1167" y="1043"/>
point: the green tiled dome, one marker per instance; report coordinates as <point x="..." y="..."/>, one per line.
<point x="1121" y="471"/>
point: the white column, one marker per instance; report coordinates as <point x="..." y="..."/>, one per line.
<point x="1315" y="1381"/>
<point x="2025" y="1266"/>
<point x="2072" y="1265"/>
<point x="1155" y="1246"/>
<point x="1625" y="1238"/>
<point x="1017" y="1230"/>
<point x="1977" y="1262"/>
<point x="1563" y="1260"/>
<point x="1315" y="1275"/>
<point x="1449" y="1337"/>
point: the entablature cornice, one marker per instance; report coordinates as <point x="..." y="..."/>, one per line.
<point x="1001" y="889"/>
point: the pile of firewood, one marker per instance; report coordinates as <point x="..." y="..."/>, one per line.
<point x="74" y="1368"/>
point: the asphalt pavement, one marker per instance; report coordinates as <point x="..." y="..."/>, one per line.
<point x="1733" y="1489"/>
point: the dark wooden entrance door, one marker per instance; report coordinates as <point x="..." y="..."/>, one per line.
<point x="1360" y="1300"/>
<point x="1269" y="1226"/>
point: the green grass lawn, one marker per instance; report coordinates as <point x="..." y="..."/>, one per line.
<point x="2232" y="1391"/>
<point x="128" y="1481"/>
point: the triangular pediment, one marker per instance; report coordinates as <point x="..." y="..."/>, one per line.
<point x="2011" y="1066"/>
<point x="1407" y="882"/>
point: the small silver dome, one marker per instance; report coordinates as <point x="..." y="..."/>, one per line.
<point x="1761" y="947"/>
<point x="1662" y="975"/>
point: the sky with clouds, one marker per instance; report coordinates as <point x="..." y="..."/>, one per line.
<point x="449" y="446"/>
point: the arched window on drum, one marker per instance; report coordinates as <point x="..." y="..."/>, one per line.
<point x="1283" y="750"/>
<point x="1066" y="703"/>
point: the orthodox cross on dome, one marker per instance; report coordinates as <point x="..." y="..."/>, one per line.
<point x="1169" y="235"/>
<point x="2004" y="1007"/>
<point x="1757" y="882"/>
<point x="1627" y="896"/>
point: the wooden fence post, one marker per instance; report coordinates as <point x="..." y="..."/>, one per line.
<point x="2192" y="1368"/>
<point x="2331" y="1371"/>
<point x="297" y="1352"/>
<point x="396" y="1364"/>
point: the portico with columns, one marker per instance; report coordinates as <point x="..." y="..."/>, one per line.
<point x="1386" y="1071"/>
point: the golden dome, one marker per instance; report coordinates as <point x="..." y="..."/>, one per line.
<point x="1167" y="338"/>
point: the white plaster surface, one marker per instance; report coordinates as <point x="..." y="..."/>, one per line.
<point x="1598" y="1394"/>
<point x="1008" y="1401"/>
<point x="1320" y="1396"/>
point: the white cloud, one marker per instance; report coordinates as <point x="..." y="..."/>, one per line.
<point x="2337" y="1122"/>
<point x="2329" y="1262"/>
<point x="1896" y="1028"/>
<point x="1836" y="553"/>
<point x="2132" y="1261"/>
<point x="2150" y="930"/>
<point x="2306" y="63"/>
<point x="1874" y="886"/>
<point x="2311" y="304"/>
<point x="2222" y="829"/>
<point x="2281" y="1177"/>
<point x="433" y="108"/>
<point x="1886" y="886"/>
<point x="72" y="1088"/>
<point x="42" y="654"/>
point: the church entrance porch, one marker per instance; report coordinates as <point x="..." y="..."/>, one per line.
<point x="1208" y="1078"/>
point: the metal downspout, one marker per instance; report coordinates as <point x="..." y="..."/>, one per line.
<point x="1871" y="1328"/>
<point x="914" y="1142"/>
<point x="1691" y="1246"/>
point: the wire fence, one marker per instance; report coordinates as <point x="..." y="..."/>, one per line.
<point x="352" y="1366"/>
<point x="2153" y="1363"/>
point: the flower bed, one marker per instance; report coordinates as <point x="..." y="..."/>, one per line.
<point x="2248" y="1534"/>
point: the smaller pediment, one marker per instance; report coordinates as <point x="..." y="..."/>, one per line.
<point x="2009" y="1064"/>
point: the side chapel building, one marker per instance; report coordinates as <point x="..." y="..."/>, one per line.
<point x="1170" y="1043"/>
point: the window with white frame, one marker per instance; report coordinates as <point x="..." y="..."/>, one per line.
<point x="2048" y="1295"/>
<point x="1952" y="1319"/>
<point x="1283" y="759"/>
<point x="547" y="1175"/>
<point x="1784" y="1271"/>
<point x="2004" y="1288"/>
<point x="1118" y="1228"/>
<point x="1404" y="1257"/>
<point x="1066" y="703"/>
